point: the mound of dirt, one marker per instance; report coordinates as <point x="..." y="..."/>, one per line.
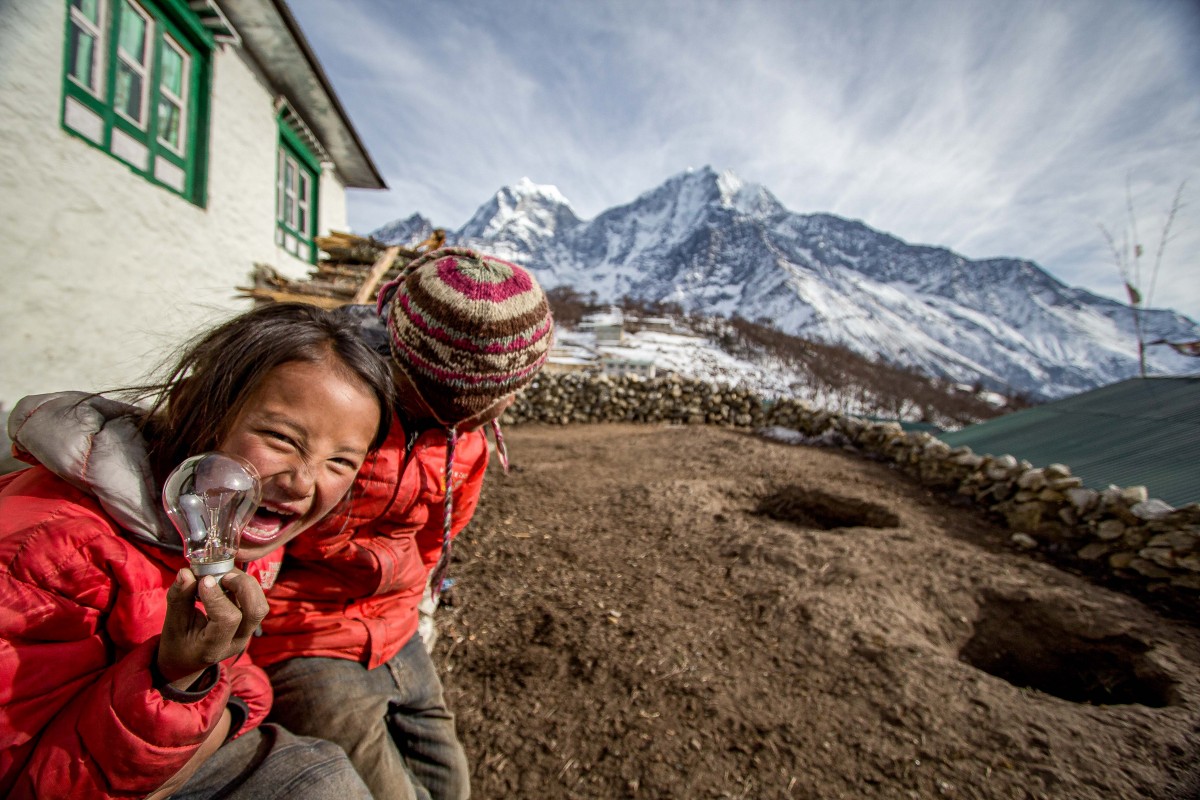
<point x="693" y="612"/>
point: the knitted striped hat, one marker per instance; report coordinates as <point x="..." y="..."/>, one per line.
<point x="467" y="329"/>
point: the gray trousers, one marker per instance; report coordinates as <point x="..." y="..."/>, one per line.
<point x="270" y="763"/>
<point x="392" y="721"/>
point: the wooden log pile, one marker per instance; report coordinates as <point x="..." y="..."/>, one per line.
<point x="351" y="270"/>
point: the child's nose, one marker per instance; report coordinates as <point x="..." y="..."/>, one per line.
<point x="297" y="480"/>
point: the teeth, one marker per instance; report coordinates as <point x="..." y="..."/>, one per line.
<point x="268" y="524"/>
<point x="265" y="525"/>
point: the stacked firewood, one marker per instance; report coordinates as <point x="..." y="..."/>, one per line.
<point x="351" y="270"/>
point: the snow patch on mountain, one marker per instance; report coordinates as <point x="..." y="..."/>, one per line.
<point x="699" y="358"/>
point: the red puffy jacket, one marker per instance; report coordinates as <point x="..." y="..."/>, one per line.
<point x="350" y="587"/>
<point x="81" y="610"/>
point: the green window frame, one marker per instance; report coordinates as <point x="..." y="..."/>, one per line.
<point x="297" y="181"/>
<point x="136" y="84"/>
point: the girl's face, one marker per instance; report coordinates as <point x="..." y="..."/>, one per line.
<point x="306" y="428"/>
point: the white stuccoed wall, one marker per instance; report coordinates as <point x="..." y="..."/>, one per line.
<point x="331" y="201"/>
<point x="103" y="274"/>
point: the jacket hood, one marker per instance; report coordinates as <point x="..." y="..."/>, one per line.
<point x="93" y="443"/>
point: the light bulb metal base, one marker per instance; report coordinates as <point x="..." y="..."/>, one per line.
<point x="200" y="569"/>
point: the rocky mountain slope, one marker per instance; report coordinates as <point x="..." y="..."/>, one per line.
<point x="718" y="247"/>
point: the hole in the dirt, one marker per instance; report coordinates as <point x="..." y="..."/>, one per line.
<point x="1025" y="644"/>
<point x="811" y="508"/>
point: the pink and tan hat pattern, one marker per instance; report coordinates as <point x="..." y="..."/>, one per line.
<point x="467" y="329"/>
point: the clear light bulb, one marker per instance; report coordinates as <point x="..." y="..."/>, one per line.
<point x="210" y="498"/>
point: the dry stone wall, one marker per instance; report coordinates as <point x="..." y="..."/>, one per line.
<point x="1118" y="532"/>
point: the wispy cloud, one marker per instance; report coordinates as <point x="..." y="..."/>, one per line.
<point x="990" y="128"/>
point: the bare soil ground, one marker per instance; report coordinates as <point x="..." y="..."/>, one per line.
<point x="692" y="612"/>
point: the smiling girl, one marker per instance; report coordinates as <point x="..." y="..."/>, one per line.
<point x="122" y="674"/>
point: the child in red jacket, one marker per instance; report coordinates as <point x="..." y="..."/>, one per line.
<point x="116" y="682"/>
<point x="464" y="332"/>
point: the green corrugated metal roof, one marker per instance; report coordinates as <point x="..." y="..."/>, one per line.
<point x="1140" y="432"/>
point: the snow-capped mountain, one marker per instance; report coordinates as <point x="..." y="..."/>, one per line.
<point x="405" y="231"/>
<point x="719" y="247"/>
<point x="525" y="215"/>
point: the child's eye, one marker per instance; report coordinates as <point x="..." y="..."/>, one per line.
<point x="279" y="436"/>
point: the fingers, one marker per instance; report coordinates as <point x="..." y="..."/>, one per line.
<point x="182" y="594"/>
<point x="181" y="604"/>
<point x="224" y="617"/>
<point x="233" y="606"/>
<point x="174" y="652"/>
<point x="247" y="594"/>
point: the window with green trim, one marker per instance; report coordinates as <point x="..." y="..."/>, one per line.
<point x="297" y="178"/>
<point x="136" y="79"/>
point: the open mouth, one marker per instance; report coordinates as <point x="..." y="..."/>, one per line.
<point x="267" y="525"/>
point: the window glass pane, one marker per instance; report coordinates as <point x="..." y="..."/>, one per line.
<point x="169" y="117"/>
<point x="89" y="8"/>
<point x="172" y="70"/>
<point x="302" y="203"/>
<point x="279" y="196"/>
<point x="133" y="33"/>
<point x="289" y="190"/>
<point x="128" y="97"/>
<point x="172" y="95"/>
<point x="82" y="54"/>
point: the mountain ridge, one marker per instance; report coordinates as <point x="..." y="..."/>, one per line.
<point x="717" y="246"/>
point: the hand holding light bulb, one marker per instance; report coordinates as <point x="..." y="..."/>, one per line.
<point x="209" y="498"/>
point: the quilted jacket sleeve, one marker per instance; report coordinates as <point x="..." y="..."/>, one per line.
<point x="120" y="737"/>
<point x="250" y="694"/>
<point x="81" y="715"/>
<point x="473" y="462"/>
<point x="466" y="502"/>
<point x="368" y="564"/>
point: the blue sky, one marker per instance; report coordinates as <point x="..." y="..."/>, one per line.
<point x="992" y="127"/>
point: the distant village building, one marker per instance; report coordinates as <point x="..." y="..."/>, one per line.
<point x="657" y="324"/>
<point x="617" y="365"/>
<point x="155" y="151"/>
<point x="608" y="327"/>
<point x="569" y="358"/>
<point x="602" y="347"/>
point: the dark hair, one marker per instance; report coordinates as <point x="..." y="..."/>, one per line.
<point x="217" y="371"/>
